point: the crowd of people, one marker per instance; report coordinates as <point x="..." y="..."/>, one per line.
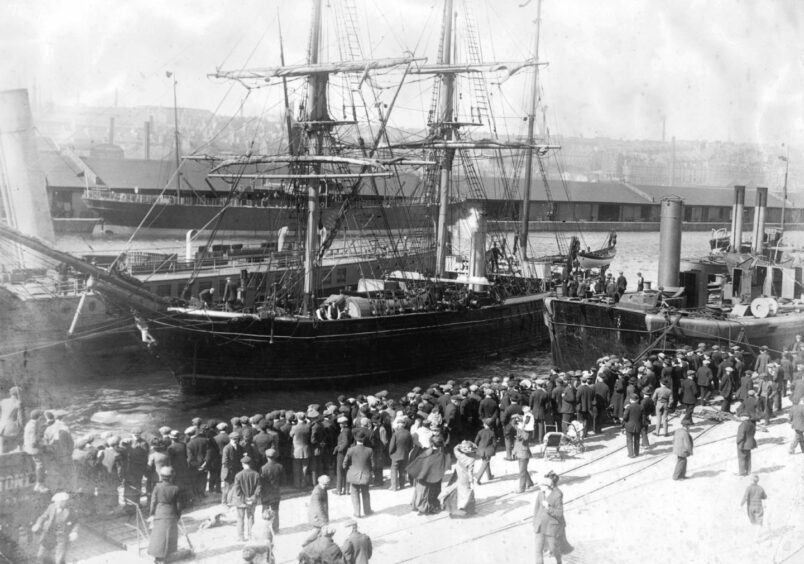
<point x="349" y="444"/>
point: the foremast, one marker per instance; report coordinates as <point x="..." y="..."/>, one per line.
<point x="446" y="133"/>
<point x="319" y="124"/>
<point x="523" y="247"/>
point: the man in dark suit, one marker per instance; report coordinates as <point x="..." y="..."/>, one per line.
<point x="358" y="466"/>
<point x="342" y="445"/>
<point x="271" y="476"/>
<point x="539" y="405"/>
<point x="689" y="395"/>
<point x="490" y="409"/>
<point x="300" y="435"/>
<point x="265" y="438"/>
<point x="399" y="449"/>
<point x="230" y="466"/>
<point x="567" y="409"/>
<point x="357" y="546"/>
<point x="632" y="422"/>
<point x="245" y="498"/>
<point x="586" y="402"/>
<point x="745" y="444"/>
<point x="177" y="451"/>
<point x="509" y="432"/>
<point x="726" y="387"/>
<point x="486" y="443"/>
<point x="602" y="397"/>
<point x="198" y="458"/>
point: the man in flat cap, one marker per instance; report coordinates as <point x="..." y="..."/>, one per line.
<point x="357" y="546"/>
<point x="245" y="498"/>
<point x="745" y="444"/>
<point x="632" y="423"/>
<point x="682" y="448"/>
<point x="689" y="395"/>
<point x="322" y="549"/>
<point x="300" y="434"/>
<point x="230" y="465"/>
<point x="342" y="445"/>
<point x="399" y="449"/>
<point x="726" y="387"/>
<point x="271" y="475"/>
<point x="318" y="509"/>
<point x="136" y="466"/>
<point x="359" y="466"/>
<point x="703" y="378"/>
<point x="55" y="529"/>
<point x="177" y="451"/>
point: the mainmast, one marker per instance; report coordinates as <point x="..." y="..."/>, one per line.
<point x="786" y="160"/>
<point x="318" y="123"/>
<point x="176" y="136"/>
<point x="523" y="238"/>
<point x="445" y="121"/>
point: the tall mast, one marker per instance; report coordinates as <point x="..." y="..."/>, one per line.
<point x="446" y="120"/>
<point x="176" y="137"/>
<point x="317" y="117"/>
<point x="523" y="239"/>
<point x="786" y="159"/>
<point x="288" y="122"/>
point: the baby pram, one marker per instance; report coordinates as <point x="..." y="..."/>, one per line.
<point x="573" y="438"/>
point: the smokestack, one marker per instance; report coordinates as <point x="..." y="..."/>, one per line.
<point x="759" y="221"/>
<point x="477" y="250"/>
<point x="147" y="140"/>
<point x="22" y="185"/>
<point x="672" y="211"/>
<point x="111" y="130"/>
<point x="737" y="218"/>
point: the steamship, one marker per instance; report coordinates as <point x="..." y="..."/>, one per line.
<point x="745" y="299"/>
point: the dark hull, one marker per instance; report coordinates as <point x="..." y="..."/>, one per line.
<point x="248" y="353"/>
<point x="253" y="219"/>
<point x="581" y="332"/>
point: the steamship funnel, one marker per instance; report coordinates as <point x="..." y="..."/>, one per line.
<point x="759" y="221"/>
<point x="737" y="218"/>
<point x="672" y="212"/>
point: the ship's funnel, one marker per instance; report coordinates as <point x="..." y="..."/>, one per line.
<point x="759" y="221"/>
<point x="22" y="184"/>
<point x="477" y="253"/>
<point x="672" y="212"/>
<point x="737" y="218"/>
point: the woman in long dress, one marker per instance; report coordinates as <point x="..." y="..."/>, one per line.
<point x="427" y="472"/>
<point x="459" y="496"/>
<point x="165" y="513"/>
<point x="548" y="520"/>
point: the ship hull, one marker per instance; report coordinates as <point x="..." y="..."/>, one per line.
<point x="211" y="354"/>
<point x="252" y="219"/>
<point x="582" y="332"/>
<point x="36" y="349"/>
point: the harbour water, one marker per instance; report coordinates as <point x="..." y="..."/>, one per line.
<point x="150" y="398"/>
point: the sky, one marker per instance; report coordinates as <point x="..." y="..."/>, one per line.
<point x="730" y="70"/>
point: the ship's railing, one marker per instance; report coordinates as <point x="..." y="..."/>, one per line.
<point x="44" y="285"/>
<point x="170" y="264"/>
<point x="145" y="264"/>
<point x="238" y="202"/>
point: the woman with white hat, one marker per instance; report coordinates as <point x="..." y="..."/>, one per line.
<point x="548" y="520"/>
<point x="164" y="516"/>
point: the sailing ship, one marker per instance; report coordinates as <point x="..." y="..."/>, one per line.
<point x="453" y="311"/>
<point x="741" y="299"/>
